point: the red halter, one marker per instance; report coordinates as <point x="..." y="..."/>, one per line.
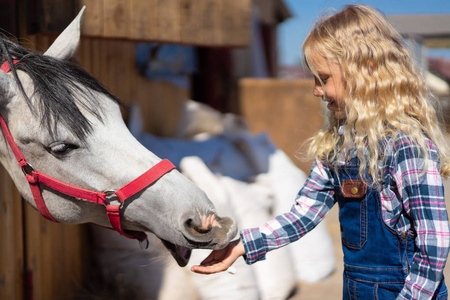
<point x="35" y="177"/>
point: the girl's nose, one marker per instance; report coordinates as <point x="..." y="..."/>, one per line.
<point x="318" y="90"/>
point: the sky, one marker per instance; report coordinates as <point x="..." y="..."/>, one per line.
<point x="292" y="32"/>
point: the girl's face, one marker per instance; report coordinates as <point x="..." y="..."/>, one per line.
<point x="332" y="87"/>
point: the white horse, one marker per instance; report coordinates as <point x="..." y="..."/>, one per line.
<point x="69" y="147"/>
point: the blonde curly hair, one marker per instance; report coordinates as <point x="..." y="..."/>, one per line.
<point x="385" y="90"/>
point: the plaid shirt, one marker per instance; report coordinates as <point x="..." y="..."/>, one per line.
<point x="406" y="186"/>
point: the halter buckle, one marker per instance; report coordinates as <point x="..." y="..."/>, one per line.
<point x="28" y="169"/>
<point x="110" y="196"/>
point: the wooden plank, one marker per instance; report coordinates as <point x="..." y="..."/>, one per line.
<point x="116" y="16"/>
<point x="93" y="17"/>
<point x="161" y="104"/>
<point x="97" y="57"/>
<point x="34" y="262"/>
<point x="54" y="15"/>
<point x="195" y="22"/>
<point x="124" y="69"/>
<point x="11" y="249"/>
<point x="143" y="21"/>
<point x="200" y="19"/>
<point x="167" y="21"/>
<point x="6" y="249"/>
<point x="111" y="62"/>
<point x="234" y="16"/>
<point x="18" y="240"/>
<point x="76" y="254"/>
<point x="48" y="260"/>
<point x="83" y="55"/>
<point x="286" y="109"/>
<point x="212" y="23"/>
<point x="56" y="257"/>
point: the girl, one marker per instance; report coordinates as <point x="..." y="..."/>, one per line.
<point x="380" y="158"/>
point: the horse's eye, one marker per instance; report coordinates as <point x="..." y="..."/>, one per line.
<point x="62" y="148"/>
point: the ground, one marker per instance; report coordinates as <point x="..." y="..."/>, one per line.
<point x="331" y="287"/>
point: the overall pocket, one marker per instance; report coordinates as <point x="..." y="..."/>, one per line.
<point x="353" y="212"/>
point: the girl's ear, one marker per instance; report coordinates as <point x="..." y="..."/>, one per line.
<point x="67" y="42"/>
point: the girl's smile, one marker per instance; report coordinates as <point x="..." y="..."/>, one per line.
<point x="331" y="103"/>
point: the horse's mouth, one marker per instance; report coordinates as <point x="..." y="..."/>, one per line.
<point x="179" y="253"/>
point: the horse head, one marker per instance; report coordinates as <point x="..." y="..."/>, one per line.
<point x="69" y="127"/>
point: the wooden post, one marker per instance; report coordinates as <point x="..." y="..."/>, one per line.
<point x="286" y="109"/>
<point x="11" y="236"/>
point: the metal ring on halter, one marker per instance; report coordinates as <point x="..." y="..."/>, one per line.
<point x="111" y="194"/>
<point x="28" y="169"/>
<point x="144" y="246"/>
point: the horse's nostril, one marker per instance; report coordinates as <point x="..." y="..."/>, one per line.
<point x="200" y="230"/>
<point x="198" y="226"/>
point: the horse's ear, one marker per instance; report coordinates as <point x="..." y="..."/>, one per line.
<point x="67" y="42"/>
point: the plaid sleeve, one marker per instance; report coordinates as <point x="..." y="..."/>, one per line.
<point x="421" y="188"/>
<point x="313" y="202"/>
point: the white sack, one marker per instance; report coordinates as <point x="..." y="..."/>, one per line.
<point x="313" y="255"/>
<point x="221" y="286"/>
<point x="275" y="277"/>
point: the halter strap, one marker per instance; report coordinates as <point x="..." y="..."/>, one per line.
<point x="6" y="67"/>
<point x="34" y="177"/>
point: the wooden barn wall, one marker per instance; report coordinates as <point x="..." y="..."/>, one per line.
<point x="286" y="109"/>
<point x="112" y="62"/>
<point x="39" y="259"/>
<point x="213" y="23"/>
<point x="11" y="234"/>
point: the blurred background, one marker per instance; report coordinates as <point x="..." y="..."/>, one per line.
<point x="192" y="73"/>
<point x="293" y="31"/>
<point x="424" y="25"/>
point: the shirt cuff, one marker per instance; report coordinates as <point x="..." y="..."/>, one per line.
<point x="255" y="249"/>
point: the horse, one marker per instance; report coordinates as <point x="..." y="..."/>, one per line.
<point x="71" y="156"/>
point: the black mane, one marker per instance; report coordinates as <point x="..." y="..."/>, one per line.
<point x="55" y="84"/>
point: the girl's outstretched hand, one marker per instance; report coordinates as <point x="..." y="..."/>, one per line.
<point x="220" y="260"/>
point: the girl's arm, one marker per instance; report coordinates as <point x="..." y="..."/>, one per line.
<point x="313" y="202"/>
<point x="423" y="200"/>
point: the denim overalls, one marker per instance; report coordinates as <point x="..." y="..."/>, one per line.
<point x="376" y="258"/>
